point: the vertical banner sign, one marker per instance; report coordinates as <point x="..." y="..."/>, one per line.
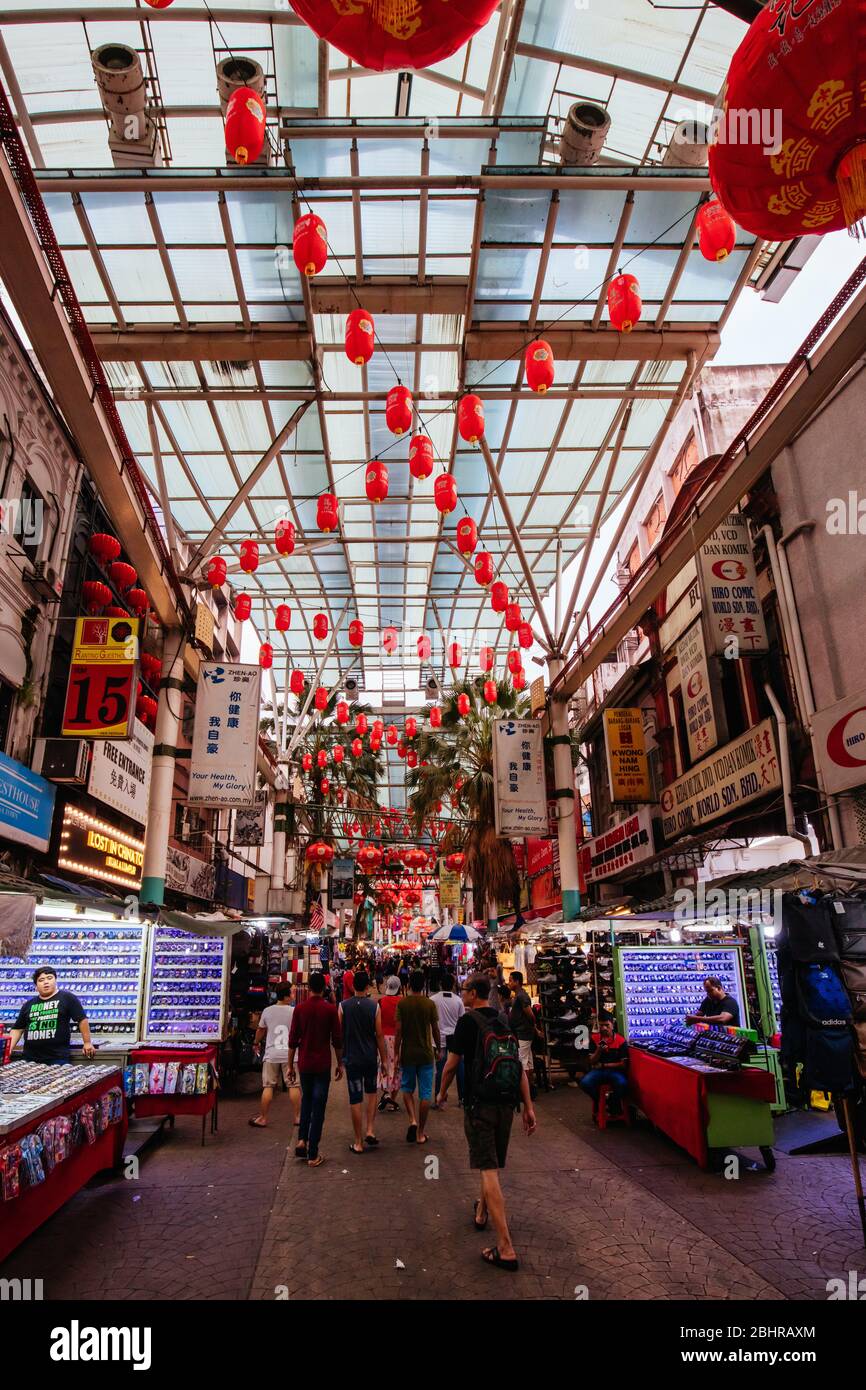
<point x="100" y="694"/>
<point x="729" y="586"/>
<point x="225" y="736"/>
<point x="519" y="792"/>
<point x="627" y="769"/>
<point x="120" y="773"/>
<point x="700" y="717"/>
<point x="449" y="886"/>
<point x="342" y="883"/>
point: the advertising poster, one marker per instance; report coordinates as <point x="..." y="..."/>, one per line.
<point x="627" y="767"/>
<point x="225" y="736"/>
<point x="520" y="797"/>
<point x="342" y="883"/>
<point x="120" y="773"/>
<point x="249" y="829"/>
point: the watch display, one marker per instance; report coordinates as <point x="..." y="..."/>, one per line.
<point x="185" y="989"/>
<point x="661" y="984"/>
<point x="99" y="962"/>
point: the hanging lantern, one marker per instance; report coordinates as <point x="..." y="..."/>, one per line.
<point x="455" y="655"/>
<point x="390" y="640"/>
<point x="411" y="758"/>
<point x="396" y="35"/>
<point x="486" y="658"/>
<point x="524" y="635"/>
<point x="283" y="617"/>
<point x="320" y="853"/>
<point x="515" y="661"/>
<point x="357" y="748"/>
<point x="266" y="656"/>
<point x="401" y="749"/>
<point x="424" y="647"/>
<point x="320" y="627"/>
<point x="519" y="680"/>
<point x="320" y="699"/>
<point x="356" y="633"/>
<point x="375" y="744"/>
<point x="361" y="724"/>
<point x="249" y="556"/>
<point x="376" y="481"/>
<point x="341" y="795"/>
<point x="462" y="705"/>
<point x="145" y="709"/>
<point x="360" y="337"/>
<point x="445" y="493"/>
<point x="322" y="758"/>
<point x="421" y="458"/>
<point x="539" y="366"/>
<point x="216" y="572"/>
<point x="411" y="726"/>
<point x="490" y="692"/>
<point x="138" y="602"/>
<point x="499" y="596"/>
<point x="339" y="754"/>
<point x="624" y="302"/>
<point x="470" y="419"/>
<point x="245" y="125"/>
<point x="717" y="232"/>
<point x="284" y="536"/>
<point x="398" y="409"/>
<point x="243" y="607"/>
<point x="483" y="568"/>
<point x="158" y="4"/>
<point x="296" y="682"/>
<point x="455" y="862"/>
<point x="378" y="728"/>
<point x="391" y="735"/>
<point x="112" y="611"/>
<point x="467" y="535"/>
<point x="513" y="616"/>
<point x="307" y="762"/>
<point x="103" y="548"/>
<point x="369" y="857"/>
<point x="342" y="712"/>
<point x="122" y="576"/>
<point x="435" y="717"/>
<point x="151" y="668"/>
<point x="96" y="595"/>
<point x="327" y="513"/>
<point x="310" y="244"/>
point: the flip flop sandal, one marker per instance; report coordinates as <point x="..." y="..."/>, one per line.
<point x="412" y="1134"/>
<point x="372" y="1141"/>
<point x="254" y="1124"/>
<point x="479" y="1225"/>
<point x="356" y="1152"/>
<point x="425" y="1139"/>
<point x="493" y="1257"/>
<point x="316" y="1162"/>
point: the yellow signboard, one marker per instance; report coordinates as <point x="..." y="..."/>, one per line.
<point x="627" y="769"/>
<point x="449" y="887"/>
<point x="105" y="641"/>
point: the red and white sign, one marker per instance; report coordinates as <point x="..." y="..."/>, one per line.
<point x="729" y="584"/>
<point x="697" y="693"/>
<point x="619" y="848"/>
<point x="839" y="739"/>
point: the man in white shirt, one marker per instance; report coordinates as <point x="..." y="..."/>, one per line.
<point x="450" y="1008"/>
<point x="274" y="1024"/>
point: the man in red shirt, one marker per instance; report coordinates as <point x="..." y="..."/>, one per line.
<point x="608" y="1064"/>
<point x="315" y="1030"/>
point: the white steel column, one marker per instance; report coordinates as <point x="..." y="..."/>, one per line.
<point x="168" y="719"/>
<point x="278" y="862"/>
<point x="563" y="776"/>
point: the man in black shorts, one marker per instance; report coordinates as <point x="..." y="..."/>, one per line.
<point x="487" y="1127"/>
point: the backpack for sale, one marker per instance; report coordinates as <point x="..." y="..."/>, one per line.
<point x="823" y="1002"/>
<point x="829" y="1055"/>
<point x="854" y="975"/>
<point x="851" y="928"/>
<point x="496" y="1067"/>
<point x="808" y="929"/>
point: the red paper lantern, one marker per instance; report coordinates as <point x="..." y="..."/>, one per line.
<point x="717" y="232"/>
<point x="499" y="596"/>
<point x="513" y="616"/>
<point x="158" y="4"/>
<point x="357" y="748"/>
<point x="151" y="668"/>
<point x="624" y="302"/>
<point x="539" y="366"/>
<point x="515" y="661"/>
<point x="112" y="611"/>
<point x="490" y="692"/>
<point x="249" y="556"/>
<point x="216" y="572"/>
<point x="391" y="735"/>
<point x="390" y="640"/>
<point x="339" y="754"/>
<point x="455" y="654"/>
<point x="378" y="728"/>
<point x="266" y="656"/>
<point x="462" y="706"/>
<point x="96" y="595"/>
<point x="138" y="602"/>
<point x="307" y="765"/>
<point x="310" y="244"/>
<point x="320" y="627"/>
<point x="435" y="717"/>
<point x="377" y="481"/>
<point x="424" y="647"/>
<point x="411" y="726"/>
<point x="411" y="758"/>
<point x="320" y="853"/>
<point x="296" y="682"/>
<point x="483" y="568"/>
<point x="322" y="758"/>
<point x="445" y="493"/>
<point x="145" y="709"/>
<point x="369" y="856"/>
<point x="122" y="576"/>
<point x="103" y="548"/>
<point x="361" y="724"/>
<point x="455" y="862"/>
<point x="375" y="744"/>
<point x="467" y="535"/>
<point x="360" y="336"/>
<point x="356" y="633"/>
<point x="486" y="658"/>
<point x="395" y="35"/>
<point x="243" y="607"/>
<point x="401" y="749"/>
<point x="398" y="409"/>
<point x="320" y="699"/>
<point x="470" y="419"/>
<point x="519" y="680"/>
<point x="284" y="537"/>
<point x="421" y="457"/>
<point x="245" y="125"/>
<point x="327" y="513"/>
<point x="324" y="786"/>
<point x="283" y="617"/>
<point x="342" y="712"/>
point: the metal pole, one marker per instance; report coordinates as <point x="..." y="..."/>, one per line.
<point x="565" y="801"/>
<point x="518" y="544"/>
<point x="168" y="718"/>
<point x="164" y="498"/>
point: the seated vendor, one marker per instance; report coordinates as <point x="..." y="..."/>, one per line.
<point x="718" y="1007"/>
<point x="608" y="1062"/>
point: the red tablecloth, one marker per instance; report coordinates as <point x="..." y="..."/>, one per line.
<point x="675" y="1098"/>
<point x="175" y="1104"/>
<point x="24" y="1213"/>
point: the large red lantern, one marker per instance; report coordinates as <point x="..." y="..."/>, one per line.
<point x="717" y="232"/>
<point x="411" y="758"/>
<point x="490" y="692"/>
<point x="513" y="617"/>
<point x="284" y="538"/>
<point x="96" y="595"/>
<point x="463" y="704"/>
<point x="467" y="535"/>
<point x="320" y="627"/>
<point x="398" y="409"/>
<point x="445" y="493"/>
<point x="307" y="765"/>
<point x="486" y="658"/>
<point x="377" y="481"/>
<point x="357" y="748"/>
<point x="455" y="861"/>
<point x="524" y="635"/>
<point x="113" y="611"/>
<point x="539" y="366"/>
<point x="104" y="548"/>
<point x="327" y="513"/>
<point x="624" y="302"/>
<point x="320" y="699"/>
<point x="424" y="647"/>
<point x="360" y="337"/>
<point x="216" y="572"/>
<point x="470" y="419"/>
<point x="138" y="602"/>
<point x="158" y="4"/>
<point x="421" y="457"/>
<point x="483" y="568"/>
<point x="296" y="682"/>
<point x="375" y="744"/>
<point x="805" y="59"/>
<point x="322" y="758"/>
<point x="310" y="244"/>
<point x="390" y="640"/>
<point x="455" y="654"/>
<point x="266" y="656"/>
<point x="245" y="125"/>
<point x="435" y="717"/>
<point x="249" y="556"/>
<point x="515" y="661"/>
<point x="122" y="575"/>
<point x="320" y="853"/>
<point x="396" y="35"/>
<point x="356" y="633"/>
<point x="361" y="724"/>
<point x="151" y="668"/>
<point x="243" y="607"/>
<point x="369" y="856"/>
<point x="342" y="712"/>
<point x="391" y="735"/>
<point x="283" y="617"/>
<point x="499" y="596"/>
<point x="145" y="709"/>
<point x="411" y="726"/>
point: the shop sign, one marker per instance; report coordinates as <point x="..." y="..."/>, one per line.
<point x="99" y="850"/>
<point x="520" y="798"/>
<point x="26" y="805"/>
<point x="627" y="768"/>
<point x="100" y="694"/>
<point x="120" y="773"/>
<point x="729" y="584"/>
<point x="449" y="886"/>
<point x="184" y="873"/>
<point x="737" y="774"/>
<point x="250" y="823"/>
<point x="703" y="734"/>
<point x="619" y="848"/>
<point x="839" y="741"/>
<point x="544" y="890"/>
<point x="342" y="882"/>
<point x="682" y="602"/>
<point x="225" y="736"/>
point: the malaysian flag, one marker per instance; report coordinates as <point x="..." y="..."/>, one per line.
<point x="317" y="916"/>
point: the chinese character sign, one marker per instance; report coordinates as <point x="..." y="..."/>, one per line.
<point x="730" y="590"/>
<point x="626" y="755"/>
<point x="225" y="738"/>
<point x="520" y="797"/>
<point x="697" y="694"/>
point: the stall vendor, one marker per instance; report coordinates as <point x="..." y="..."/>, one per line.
<point x="718" y="1007"/>
<point x="45" y="1021"/>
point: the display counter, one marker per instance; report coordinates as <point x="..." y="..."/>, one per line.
<point x="174" y="1079"/>
<point x="703" y="1108"/>
<point x="59" y="1125"/>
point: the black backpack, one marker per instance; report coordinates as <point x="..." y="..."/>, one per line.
<point x="496" y="1066"/>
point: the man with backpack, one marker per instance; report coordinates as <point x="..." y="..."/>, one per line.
<point x="495" y="1084"/>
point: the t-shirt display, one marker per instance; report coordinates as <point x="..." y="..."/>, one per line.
<point x="47" y="1026"/>
<point x="277" y="1020"/>
<point x="416" y="1015"/>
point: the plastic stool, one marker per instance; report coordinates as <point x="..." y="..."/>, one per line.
<point x="603" y="1119"/>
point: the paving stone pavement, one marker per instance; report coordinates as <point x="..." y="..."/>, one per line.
<point x="620" y="1214"/>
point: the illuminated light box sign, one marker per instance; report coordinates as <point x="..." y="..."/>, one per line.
<point x="100" y="695"/>
<point x="93" y="847"/>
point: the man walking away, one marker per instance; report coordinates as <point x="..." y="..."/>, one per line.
<point x="275" y="1024"/>
<point x="495" y="1084"/>
<point x="416" y="1043"/>
<point x="608" y="1064"/>
<point x="315" y="1030"/>
<point x="363" y="1043"/>
<point x="521" y="1020"/>
<point x="449" y="1007"/>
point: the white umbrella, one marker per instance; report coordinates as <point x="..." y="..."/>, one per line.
<point x="456" y="933"/>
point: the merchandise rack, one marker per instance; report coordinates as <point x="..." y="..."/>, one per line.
<point x="186" y="992"/>
<point x="658" y="985"/>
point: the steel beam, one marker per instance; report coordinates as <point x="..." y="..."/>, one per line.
<point x="643" y="79"/>
<point x="518" y="544"/>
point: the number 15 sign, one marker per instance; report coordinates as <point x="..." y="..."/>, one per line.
<point x="100" y="696"/>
